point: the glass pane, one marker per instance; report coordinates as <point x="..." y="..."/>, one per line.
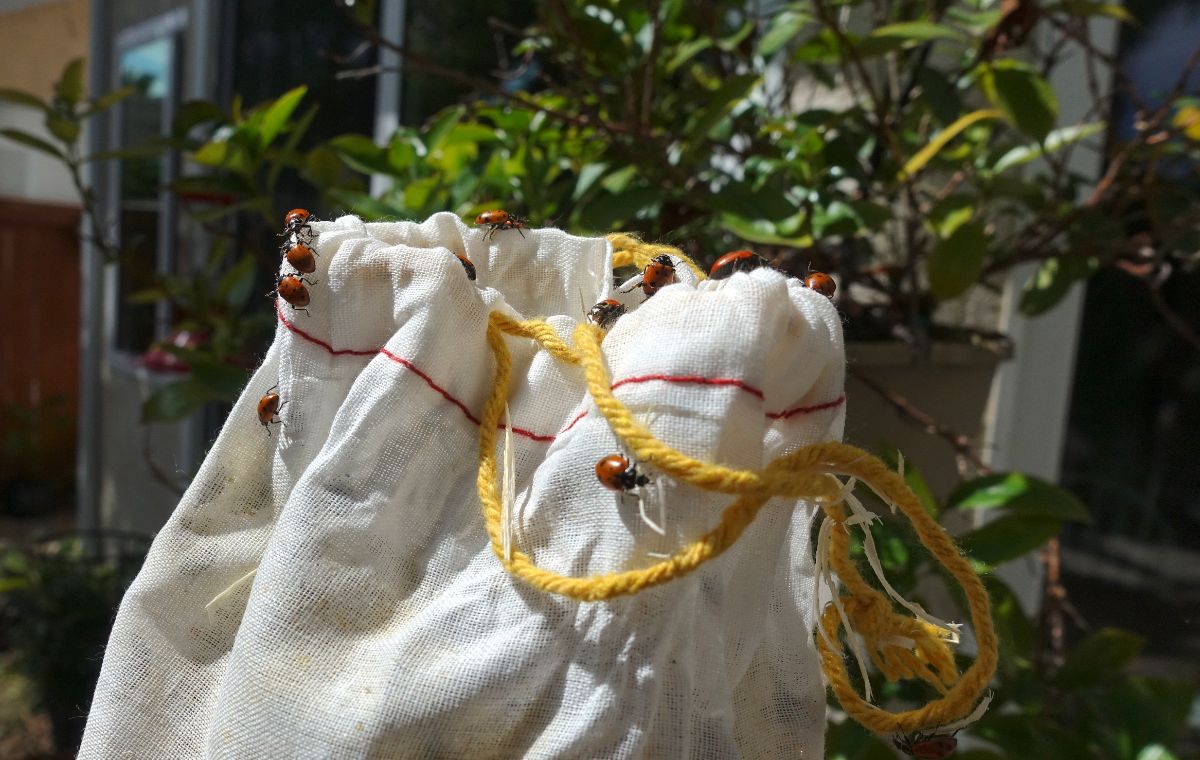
<point x="148" y="67"/>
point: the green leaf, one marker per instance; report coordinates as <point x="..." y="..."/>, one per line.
<point x="619" y="180"/>
<point x="957" y="261"/>
<point x="1056" y="140"/>
<point x="108" y="100"/>
<point x="362" y="154"/>
<point x="32" y="141"/>
<point x="174" y="401"/>
<point x="65" y="128"/>
<point x="1156" y="752"/>
<point x="940" y="94"/>
<point x="782" y="30"/>
<point x="441" y="125"/>
<point x="1023" y="95"/>
<point x="1052" y="280"/>
<point x="222" y="381"/>
<point x="1092" y="8"/>
<point x="761" y="231"/>
<point x="148" y="295"/>
<point x="939" y="141"/>
<point x="194" y="113"/>
<point x="1008" y="537"/>
<point x="950" y="213"/>
<point x="70" y="87"/>
<point x="22" y="98"/>
<point x="276" y="115"/>
<point x="1020" y="494"/>
<point x="236" y="284"/>
<point x="322" y="166"/>
<point x="587" y="177"/>
<point x="688" y="51"/>
<point x="1099" y="657"/>
<point x="916" y="32"/>
<point x="720" y="102"/>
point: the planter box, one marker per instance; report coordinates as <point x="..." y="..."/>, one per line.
<point x="952" y="385"/>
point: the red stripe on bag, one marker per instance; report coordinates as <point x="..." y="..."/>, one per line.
<point x="681" y="379"/>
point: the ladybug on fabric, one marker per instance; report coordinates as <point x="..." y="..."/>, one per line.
<point x="499" y="219"/>
<point x="297" y="221"/>
<point x="822" y="283"/>
<point x="926" y="747"/>
<point x="291" y="289"/>
<point x="617" y="474"/>
<point x="606" y="313"/>
<point x="659" y="273"/>
<point x="303" y="258"/>
<point x="268" y="409"/>
<point x="467" y="265"/>
<point x="736" y="261"/>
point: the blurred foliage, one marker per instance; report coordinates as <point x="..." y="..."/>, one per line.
<point x="33" y="440"/>
<point x="57" y="602"/>
<point x="1084" y="702"/>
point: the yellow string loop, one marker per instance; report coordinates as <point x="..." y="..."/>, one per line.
<point x="900" y="646"/>
<point x="629" y="250"/>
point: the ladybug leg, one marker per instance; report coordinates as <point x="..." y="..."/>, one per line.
<point x="295" y="308"/>
<point x="518" y="229"/>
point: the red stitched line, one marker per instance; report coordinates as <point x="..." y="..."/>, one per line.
<point x="318" y="341"/>
<point x="571" y="424"/>
<point x="787" y="413"/>
<point x="429" y="381"/>
<point x="683" y="379"/>
<point x="692" y="379"/>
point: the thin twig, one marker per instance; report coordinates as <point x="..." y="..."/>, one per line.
<point x="961" y="443"/>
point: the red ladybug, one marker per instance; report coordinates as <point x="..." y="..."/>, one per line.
<point x="268" y="409"/>
<point x="926" y="747"/>
<point x="467" y="265"/>
<point x="499" y="219"/>
<point x="297" y="221"/>
<point x="291" y="289"/>
<point x="616" y="473"/>
<point x="605" y="314"/>
<point x="659" y="273"/>
<point x="303" y="258"/>
<point x="822" y="283"/>
<point x="736" y="261"/>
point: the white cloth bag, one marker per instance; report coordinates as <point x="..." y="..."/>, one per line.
<point x="379" y="622"/>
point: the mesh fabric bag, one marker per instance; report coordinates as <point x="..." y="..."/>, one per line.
<point x="330" y="590"/>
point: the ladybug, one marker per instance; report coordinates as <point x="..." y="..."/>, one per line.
<point x="467" y="265"/>
<point x="616" y="473"/>
<point x="297" y="221"/>
<point x="291" y="289"/>
<point x="736" y="261"/>
<point x="822" y="283"/>
<point x="499" y="219"/>
<point x="659" y="273"/>
<point x="926" y="747"/>
<point x="303" y="258"/>
<point x="268" y="409"/>
<point x="605" y="314"/>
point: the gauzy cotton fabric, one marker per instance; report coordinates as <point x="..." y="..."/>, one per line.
<point x="379" y="623"/>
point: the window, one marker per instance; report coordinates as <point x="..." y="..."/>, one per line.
<point x="149" y="57"/>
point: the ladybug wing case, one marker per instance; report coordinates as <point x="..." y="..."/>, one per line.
<point x="330" y="591"/>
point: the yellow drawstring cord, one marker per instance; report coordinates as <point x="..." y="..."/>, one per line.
<point x="899" y="645"/>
